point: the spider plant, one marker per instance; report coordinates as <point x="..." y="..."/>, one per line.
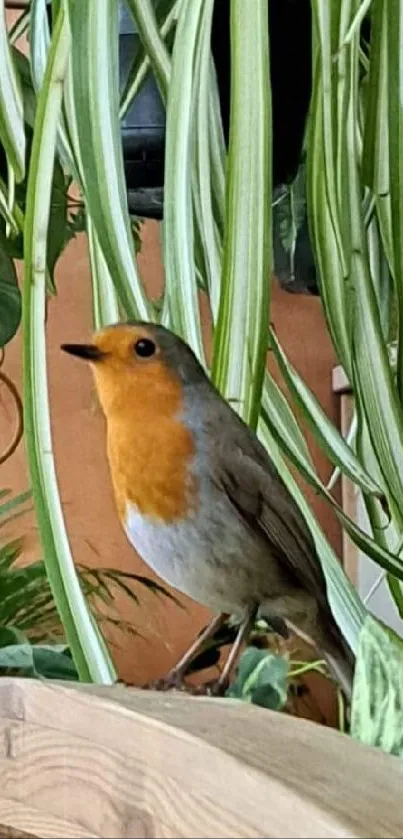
<point x="217" y="235"/>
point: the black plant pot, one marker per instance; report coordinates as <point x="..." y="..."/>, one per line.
<point x="143" y="129"/>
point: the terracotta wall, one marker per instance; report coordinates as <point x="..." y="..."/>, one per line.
<point x="78" y="426"/>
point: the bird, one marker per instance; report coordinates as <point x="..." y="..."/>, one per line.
<point x="200" y="499"/>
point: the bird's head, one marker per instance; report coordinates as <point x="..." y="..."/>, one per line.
<point x="139" y="363"/>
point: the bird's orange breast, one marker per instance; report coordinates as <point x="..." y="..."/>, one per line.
<point x="150" y="453"/>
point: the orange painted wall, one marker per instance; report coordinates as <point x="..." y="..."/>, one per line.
<point x="78" y="427"/>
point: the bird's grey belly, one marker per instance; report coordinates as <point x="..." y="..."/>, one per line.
<point x="212" y="556"/>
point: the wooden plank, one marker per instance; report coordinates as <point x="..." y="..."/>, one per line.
<point x="121" y="762"/>
<point x="17" y="818"/>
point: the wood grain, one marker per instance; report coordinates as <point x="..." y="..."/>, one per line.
<point x="81" y="761"/>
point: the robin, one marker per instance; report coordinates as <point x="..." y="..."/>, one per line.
<point x="201" y="501"/>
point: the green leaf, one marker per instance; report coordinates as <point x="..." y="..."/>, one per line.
<point x="326" y="434"/>
<point x="12" y="134"/>
<point x="10" y="636"/>
<point x="375" y="156"/>
<point x="325" y="233"/>
<point x="208" y="170"/>
<point x="28" y="92"/>
<point x="276" y="408"/>
<point x="13" y="246"/>
<point x="240" y="336"/>
<point x="281" y="423"/>
<point x="58" y="232"/>
<point x="395" y="588"/>
<point x="392" y="146"/>
<point x="181" y="303"/>
<point x="7" y="507"/>
<point x="6" y="211"/>
<point x="261" y="679"/>
<point x="39" y="41"/>
<point x="289" y="214"/>
<point x="166" y="12"/>
<point x="335" y="204"/>
<point x="10" y="299"/>
<point x="92" y="108"/>
<point x="84" y="638"/>
<point x="145" y="16"/>
<point x="39" y="661"/>
<point x="9" y="553"/>
<point x="20" y="26"/>
<point x="105" y="302"/>
<point x="377" y="702"/>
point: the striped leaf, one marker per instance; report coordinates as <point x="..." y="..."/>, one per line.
<point x="95" y="136"/>
<point x="153" y="42"/>
<point x="207" y="120"/>
<point x="39" y="41"/>
<point x="141" y="63"/>
<point x="329" y="438"/>
<point x="181" y="304"/>
<point x="89" y="653"/>
<point x="12" y="130"/>
<point x="392" y="147"/>
<point x="358" y="313"/>
<point x="104" y="298"/>
<point x="240" y="337"/>
<point x="281" y="424"/>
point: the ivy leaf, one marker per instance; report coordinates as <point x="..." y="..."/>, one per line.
<point x="261" y="679"/>
<point x="10" y="298"/>
<point x="9" y="636"/>
<point x="38" y="661"/>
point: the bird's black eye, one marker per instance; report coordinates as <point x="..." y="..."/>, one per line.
<point x="144" y="348"/>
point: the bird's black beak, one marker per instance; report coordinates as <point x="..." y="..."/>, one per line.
<point x="87" y="351"/>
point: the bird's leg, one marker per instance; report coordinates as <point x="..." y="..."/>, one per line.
<point x="219" y="688"/>
<point x="195" y="648"/>
<point x="174" y="677"/>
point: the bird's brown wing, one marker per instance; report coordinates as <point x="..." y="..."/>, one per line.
<point x="250" y="480"/>
<point x="246" y="474"/>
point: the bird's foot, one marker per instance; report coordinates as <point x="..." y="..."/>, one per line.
<point x="218" y="687"/>
<point x="174" y="680"/>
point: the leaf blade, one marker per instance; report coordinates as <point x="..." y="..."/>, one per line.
<point x="95" y="136"/>
<point x="90" y="659"/>
<point x="239" y="351"/>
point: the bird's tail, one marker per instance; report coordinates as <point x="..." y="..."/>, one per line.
<point x="325" y="635"/>
<point x="339" y="657"/>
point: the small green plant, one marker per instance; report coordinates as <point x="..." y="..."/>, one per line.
<point x="32" y="638"/>
<point x="262" y="679"/>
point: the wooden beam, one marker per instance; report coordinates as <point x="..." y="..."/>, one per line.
<point x="81" y="761"/>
